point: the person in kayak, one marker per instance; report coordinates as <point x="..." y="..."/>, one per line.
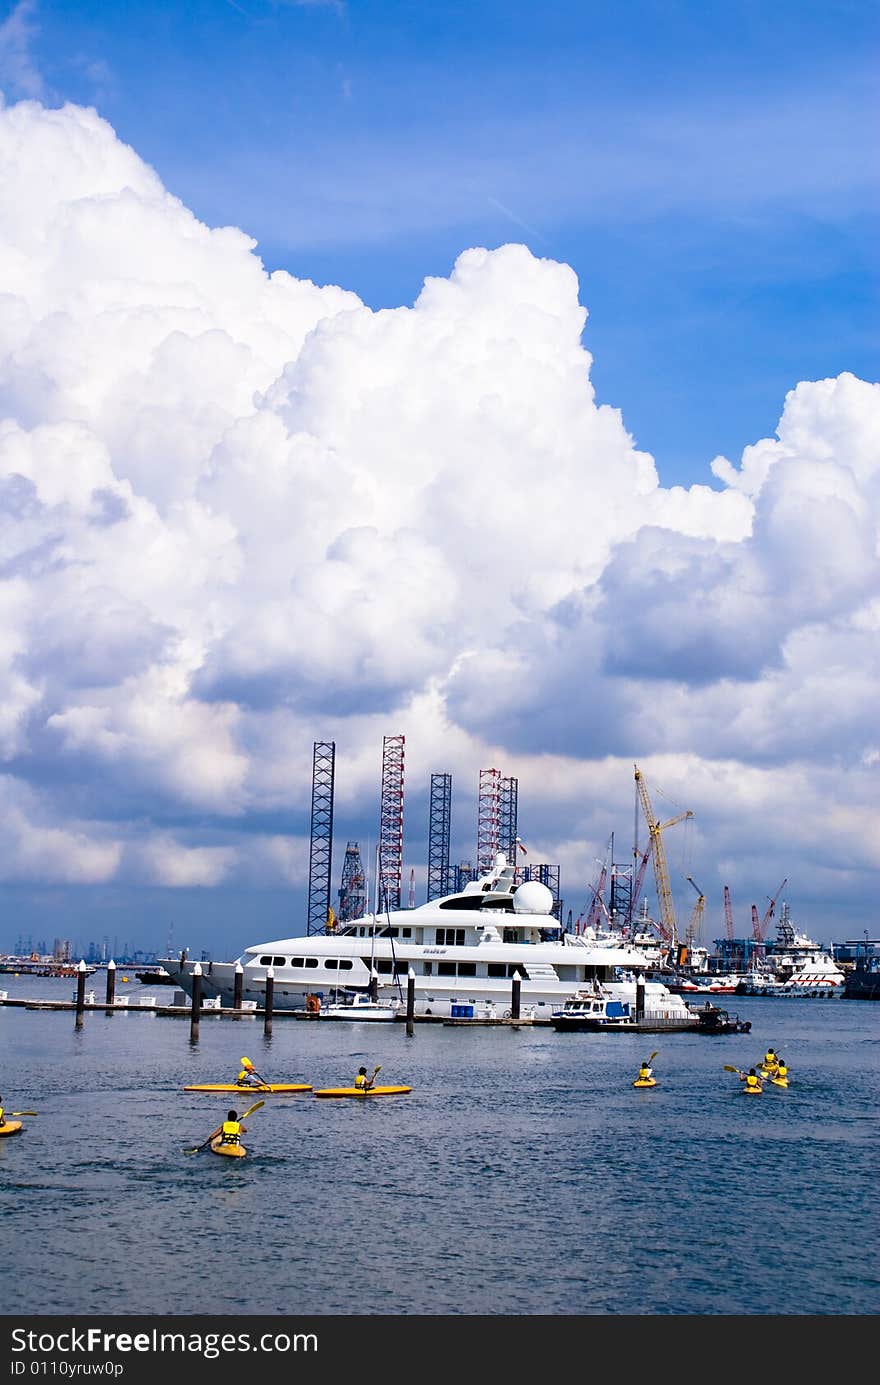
<point x="248" y="1076"/>
<point x="751" y="1080"/>
<point x="646" y="1072"/>
<point x="781" y="1069"/>
<point x="362" y="1082"/>
<point x="230" y="1131"/>
<point x="770" y="1060"/>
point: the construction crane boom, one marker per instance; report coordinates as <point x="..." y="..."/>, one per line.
<point x="637" y="886"/>
<point x="759" y="926"/>
<point x="668" y="923"/>
<point x="728" y="915"/>
<point x="756" y="925"/>
<point x="695" y="922"/>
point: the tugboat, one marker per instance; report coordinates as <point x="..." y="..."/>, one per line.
<point x="595" y="1012"/>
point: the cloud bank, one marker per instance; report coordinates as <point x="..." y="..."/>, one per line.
<point x="242" y="512"/>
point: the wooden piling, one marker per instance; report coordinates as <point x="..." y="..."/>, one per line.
<point x="270" y="1000"/>
<point x="196" y="1006"/>
<point x="237" y="986"/>
<point x="80" y="987"/>
<point x="80" y="991"/>
<point x="374" y="984"/>
<point x="515" y="988"/>
<point x="410" y="1000"/>
<point x="111" y="983"/>
<point x="640" y="997"/>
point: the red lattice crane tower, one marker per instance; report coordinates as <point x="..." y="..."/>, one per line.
<point x="488" y="819"/>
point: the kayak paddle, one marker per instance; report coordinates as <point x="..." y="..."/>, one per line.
<point x="25" y="1113"/>
<point x="214" y="1133"/>
<point x="368" y="1085"/>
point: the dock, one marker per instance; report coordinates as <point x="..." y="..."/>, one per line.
<point x="208" y="1011"/>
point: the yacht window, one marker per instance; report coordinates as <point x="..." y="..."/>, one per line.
<point x="383" y="964"/>
<point x="445" y="968"/>
<point x="265" y="961"/>
<point x="331" y="962"/>
<point x="345" y="964"/>
<point x="467" y="968"/>
<point x="429" y="968"/>
<point x="496" y="969"/>
<point x="297" y="962"/>
<point x="450" y="937"/>
<point x="406" y="932"/>
<point x="311" y="961"/>
<point x="280" y="961"/>
<point x="390" y="933"/>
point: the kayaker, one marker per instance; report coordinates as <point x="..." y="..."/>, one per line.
<point x="770" y="1060"/>
<point x="230" y="1131"/>
<point x="751" y="1080"/>
<point x="362" y="1082"/>
<point x="248" y="1076"/>
<point x="645" y="1072"/>
<point x="781" y="1069"/>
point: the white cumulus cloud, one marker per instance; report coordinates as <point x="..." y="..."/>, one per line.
<point x="240" y="512"/>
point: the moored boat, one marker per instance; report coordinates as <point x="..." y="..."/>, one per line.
<point x="464" y="949"/>
<point x="358" y="1006"/>
<point x="863" y="982"/>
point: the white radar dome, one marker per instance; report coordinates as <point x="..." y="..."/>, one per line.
<point x="532" y="898"/>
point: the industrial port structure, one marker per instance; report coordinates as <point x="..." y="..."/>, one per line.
<point x="496" y="830"/>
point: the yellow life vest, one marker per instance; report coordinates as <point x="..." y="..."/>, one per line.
<point x="644" y="1074"/>
<point x="770" y="1060"/>
<point x="2" y="1117"/>
<point x="230" y="1132"/>
<point x="782" y="1070"/>
<point x="360" y="1080"/>
<point x="752" y="1081"/>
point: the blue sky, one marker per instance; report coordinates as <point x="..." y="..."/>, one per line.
<point x="708" y="170"/>
<point x="241" y="513"/>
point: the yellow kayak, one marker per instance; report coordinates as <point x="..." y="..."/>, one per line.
<point x="10" y="1128"/>
<point x="359" y="1091"/>
<point x="779" y="1081"/>
<point x="279" y="1088"/>
<point x="235" y="1151"/>
<point x="645" y="1082"/>
<point x="753" y="1091"/>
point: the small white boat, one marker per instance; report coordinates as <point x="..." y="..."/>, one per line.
<point x="358" y="1006"/>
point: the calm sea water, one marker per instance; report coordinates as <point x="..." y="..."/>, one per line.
<point x="522" y="1175"/>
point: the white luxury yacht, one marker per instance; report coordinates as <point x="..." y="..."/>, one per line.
<point x="464" y="950"/>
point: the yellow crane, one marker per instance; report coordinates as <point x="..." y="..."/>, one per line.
<point x="668" y="924"/>
<point x="695" y="922"/>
